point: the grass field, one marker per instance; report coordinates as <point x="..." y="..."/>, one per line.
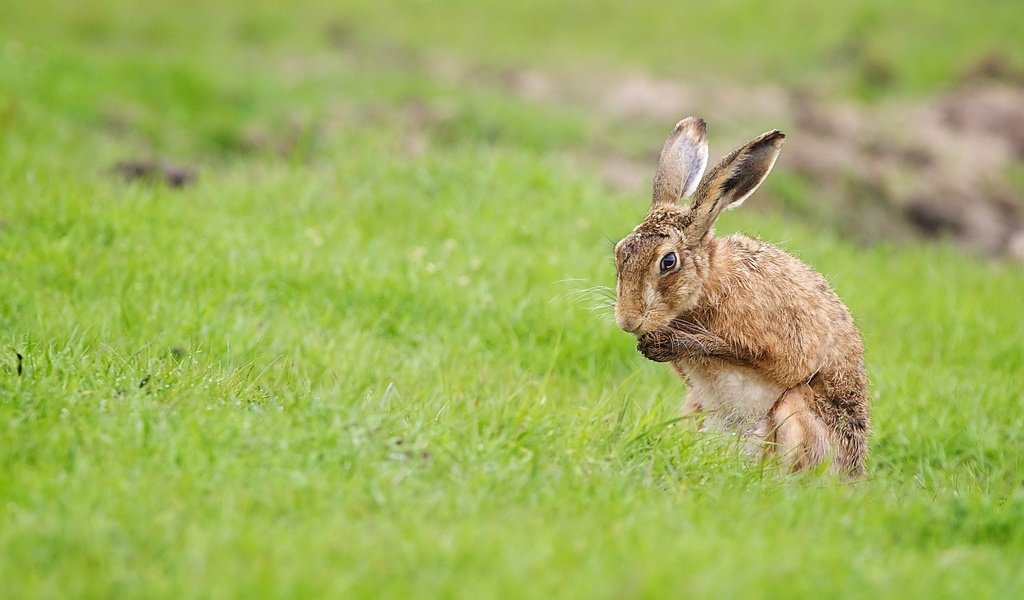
<point x="356" y="357"/>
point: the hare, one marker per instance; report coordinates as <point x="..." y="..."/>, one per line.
<point x="766" y="347"/>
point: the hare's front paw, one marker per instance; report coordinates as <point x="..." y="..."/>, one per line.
<point x="656" y="345"/>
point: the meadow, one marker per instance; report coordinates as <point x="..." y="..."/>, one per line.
<point x="357" y="350"/>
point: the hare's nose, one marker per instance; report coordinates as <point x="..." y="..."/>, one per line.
<point x="629" y="325"/>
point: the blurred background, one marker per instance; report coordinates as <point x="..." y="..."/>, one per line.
<point x="906" y="121"/>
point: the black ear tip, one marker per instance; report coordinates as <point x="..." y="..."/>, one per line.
<point x="773" y="138"/>
<point x="694" y="125"/>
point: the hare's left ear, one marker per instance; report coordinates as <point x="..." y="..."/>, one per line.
<point x="683" y="160"/>
<point x="734" y="179"/>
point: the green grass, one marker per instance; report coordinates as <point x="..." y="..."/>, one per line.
<point x="350" y="360"/>
<point x="911" y="46"/>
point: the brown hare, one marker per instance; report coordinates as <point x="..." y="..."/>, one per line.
<point x="766" y="347"/>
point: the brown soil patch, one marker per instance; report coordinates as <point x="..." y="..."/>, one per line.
<point x="174" y="176"/>
<point x="942" y="166"/>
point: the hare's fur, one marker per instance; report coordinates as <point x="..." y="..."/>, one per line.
<point x="767" y="348"/>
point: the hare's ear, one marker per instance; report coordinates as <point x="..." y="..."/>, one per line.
<point x="734" y="179"/>
<point x="683" y="160"/>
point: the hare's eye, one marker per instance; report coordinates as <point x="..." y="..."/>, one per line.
<point x="668" y="262"/>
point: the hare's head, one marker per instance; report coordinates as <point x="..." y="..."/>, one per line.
<point x="661" y="266"/>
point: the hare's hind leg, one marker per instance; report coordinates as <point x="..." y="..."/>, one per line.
<point x="799" y="435"/>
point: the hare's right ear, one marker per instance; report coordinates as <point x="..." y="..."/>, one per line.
<point x="683" y="160"/>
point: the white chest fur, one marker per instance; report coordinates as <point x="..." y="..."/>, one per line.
<point x="736" y="398"/>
